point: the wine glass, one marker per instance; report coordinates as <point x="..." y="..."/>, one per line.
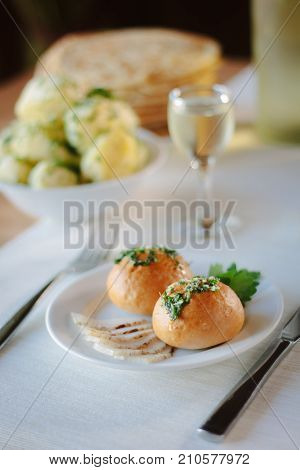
<point x="201" y="123"/>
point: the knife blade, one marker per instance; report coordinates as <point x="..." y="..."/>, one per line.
<point x="291" y="331"/>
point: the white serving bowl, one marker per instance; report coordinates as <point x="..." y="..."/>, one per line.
<point x="50" y="202"/>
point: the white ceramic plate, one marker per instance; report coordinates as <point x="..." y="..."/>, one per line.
<point x="262" y="315"/>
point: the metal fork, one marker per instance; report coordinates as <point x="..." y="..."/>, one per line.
<point x="87" y="260"/>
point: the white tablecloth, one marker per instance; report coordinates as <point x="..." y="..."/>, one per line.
<point x="86" y="406"/>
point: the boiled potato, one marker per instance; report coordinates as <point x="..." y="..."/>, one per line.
<point x="115" y="154"/>
<point x="14" y="170"/>
<point x="55" y="130"/>
<point x="31" y="142"/>
<point x="6" y="136"/>
<point x="44" y="100"/>
<point x="95" y="115"/>
<point x="49" y="174"/>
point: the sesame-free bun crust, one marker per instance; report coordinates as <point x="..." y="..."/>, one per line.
<point x="209" y="319"/>
<point x="136" y="289"/>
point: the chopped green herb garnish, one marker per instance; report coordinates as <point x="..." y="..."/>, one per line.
<point x="167" y="251"/>
<point x="243" y="282"/>
<point x="137" y="260"/>
<point x="174" y="301"/>
<point x="69" y="165"/>
<point x="100" y="92"/>
<point x="134" y="256"/>
<point x="70" y="147"/>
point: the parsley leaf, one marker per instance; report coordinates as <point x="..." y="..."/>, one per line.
<point x="215" y="269"/>
<point x="243" y="282"/>
<point x="100" y="92"/>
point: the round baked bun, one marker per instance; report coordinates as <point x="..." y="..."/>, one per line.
<point x="209" y="317"/>
<point x="140" y="275"/>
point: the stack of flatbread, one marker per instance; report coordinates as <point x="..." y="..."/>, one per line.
<point x="140" y="65"/>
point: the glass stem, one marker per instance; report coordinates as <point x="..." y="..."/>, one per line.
<point x="206" y="168"/>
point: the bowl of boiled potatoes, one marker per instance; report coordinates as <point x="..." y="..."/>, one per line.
<point x="64" y="145"/>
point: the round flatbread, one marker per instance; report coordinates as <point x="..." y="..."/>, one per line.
<point x="139" y="64"/>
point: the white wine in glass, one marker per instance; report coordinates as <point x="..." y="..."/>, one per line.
<point x="201" y="123"/>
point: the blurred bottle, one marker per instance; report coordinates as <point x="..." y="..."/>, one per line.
<point x="279" y="71"/>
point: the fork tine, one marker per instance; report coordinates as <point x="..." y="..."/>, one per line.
<point x="89" y="258"/>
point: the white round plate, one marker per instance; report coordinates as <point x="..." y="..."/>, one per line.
<point x="263" y="313"/>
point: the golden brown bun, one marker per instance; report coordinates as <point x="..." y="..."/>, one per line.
<point x="136" y="289"/>
<point x="210" y="318"/>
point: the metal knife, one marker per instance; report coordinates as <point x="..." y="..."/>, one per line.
<point x="226" y="414"/>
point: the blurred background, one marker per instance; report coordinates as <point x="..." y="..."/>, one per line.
<point x="260" y="64"/>
<point x="43" y="21"/>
